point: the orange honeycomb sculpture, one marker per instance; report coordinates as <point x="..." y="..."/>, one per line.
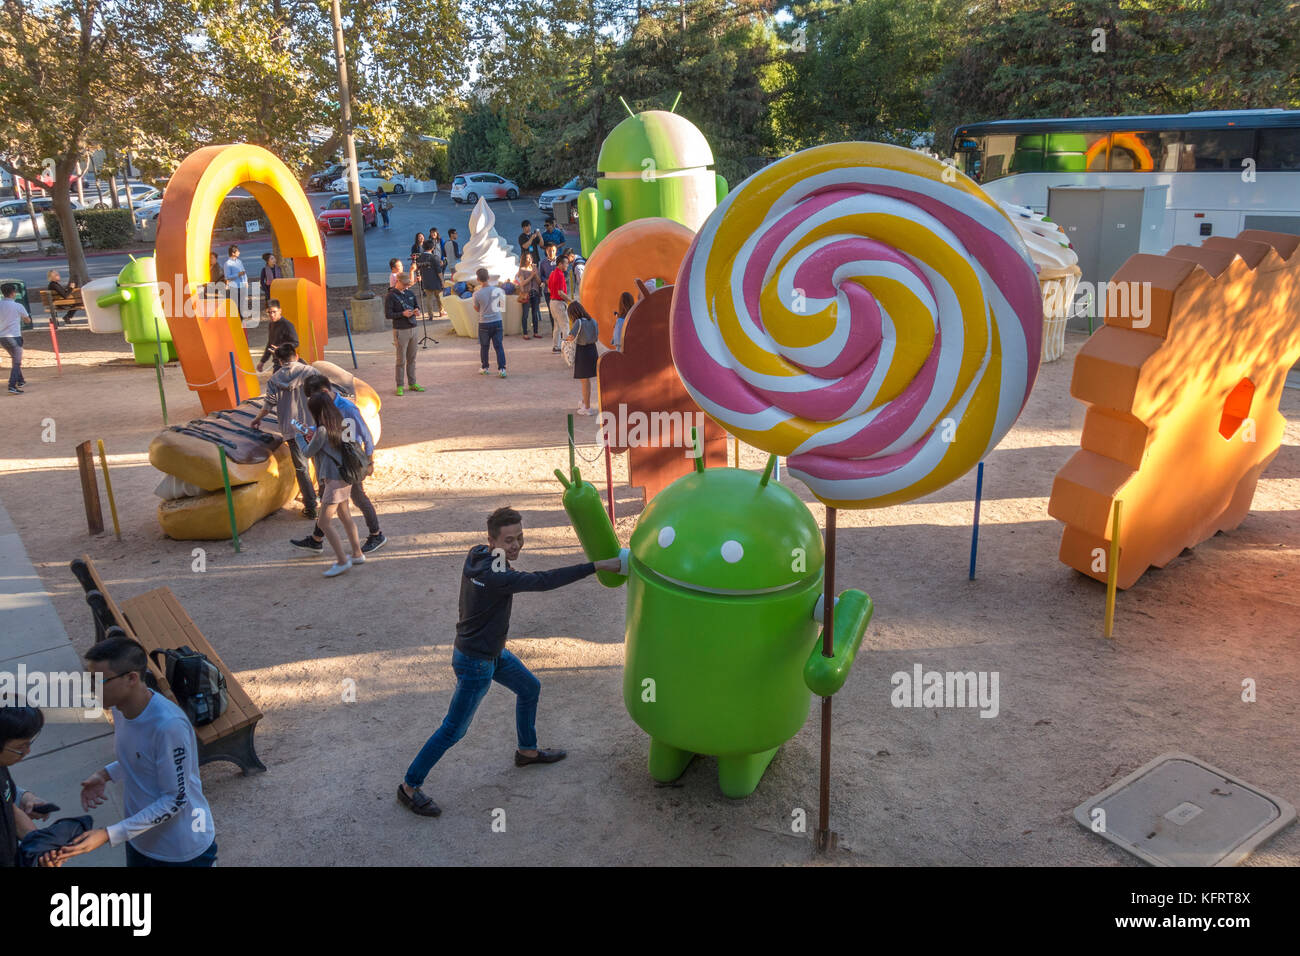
<point x="1182" y="413"/>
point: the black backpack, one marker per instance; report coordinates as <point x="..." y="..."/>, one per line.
<point x="354" y="465"/>
<point x="197" y="684"/>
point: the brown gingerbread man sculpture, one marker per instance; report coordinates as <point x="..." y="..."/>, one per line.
<point x="645" y="408"/>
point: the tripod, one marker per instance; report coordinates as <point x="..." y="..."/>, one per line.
<point x="424" y="315"/>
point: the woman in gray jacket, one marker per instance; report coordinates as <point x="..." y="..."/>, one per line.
<point x="324" y="445"/>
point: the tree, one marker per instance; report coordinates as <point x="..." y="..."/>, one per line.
<point x="70" y="69"/>
<point x="278" y="80"/>
<point x="861" y="71"/>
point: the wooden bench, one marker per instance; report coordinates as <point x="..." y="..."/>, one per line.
<point x="54" y="306"/>
<point x="158" y="622"/>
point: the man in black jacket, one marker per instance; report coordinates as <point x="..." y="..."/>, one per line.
<point x="401" y="309"/>
<point x="487" y="587"/>
<point x="278" y="331"/>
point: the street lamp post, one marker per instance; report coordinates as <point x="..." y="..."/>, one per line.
<point x="354" y="185"/>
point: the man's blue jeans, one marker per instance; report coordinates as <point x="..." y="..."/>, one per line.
<point x="474" y="677"/>
<point x="490" y="333"/>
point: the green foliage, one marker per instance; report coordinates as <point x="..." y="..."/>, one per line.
<point x="236" y="211"/>
<point x="98" y="228"/>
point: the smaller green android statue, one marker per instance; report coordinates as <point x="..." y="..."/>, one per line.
<point x="725" y="597"/>
<point x="143" y="321"/>
<point x="653" y="164"/>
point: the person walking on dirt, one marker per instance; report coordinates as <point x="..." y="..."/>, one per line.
<point x="487" y="587"/>
<point x="285" y="397"/>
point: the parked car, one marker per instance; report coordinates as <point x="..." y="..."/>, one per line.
<point x="16" y="222"/>
<point x="468" y="187"/>
<point x="336" y="214"/>
<point x="140" y="193"/>
<point x="376" y="182"/>
<point x="319" y="182"/>
<point x="566" y="193"/>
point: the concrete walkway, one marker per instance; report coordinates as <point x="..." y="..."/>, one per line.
<point x="72" y="745"/>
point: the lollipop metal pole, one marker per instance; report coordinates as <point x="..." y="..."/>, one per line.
<point x="825" y="838"/>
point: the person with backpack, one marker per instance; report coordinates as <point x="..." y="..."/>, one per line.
<point x="330" y="449"/>
<point x="384" y="205"/>
<point x="18" y="729"/>
<point x="375" y="538"/>
<point x="285" y="397"/>
<point x="488" y="585"/>
<point x="584" y="332"/>
<point x="168" y="821"/>
<point x="429" y="267"/>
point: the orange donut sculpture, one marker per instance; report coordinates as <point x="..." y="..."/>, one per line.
<point x="643" y="249"/>
<point x="207" y="331"/>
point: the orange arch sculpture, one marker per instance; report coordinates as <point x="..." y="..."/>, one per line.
<point x="206" y="331"/>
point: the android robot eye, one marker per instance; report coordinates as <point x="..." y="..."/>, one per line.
<point x="666" y="536"/>
<point x="732" y="551"/>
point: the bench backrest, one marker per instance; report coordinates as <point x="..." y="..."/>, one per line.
<point x="108" y="615"/>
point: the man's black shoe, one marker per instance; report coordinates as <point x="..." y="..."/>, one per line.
<point x="308" y="544"/>
<point x="374" y="543"/>
<point x="543" y="756"/>
<point x="419" y="802"/>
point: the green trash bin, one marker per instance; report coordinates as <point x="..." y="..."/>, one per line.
<point x="21" y="297"/>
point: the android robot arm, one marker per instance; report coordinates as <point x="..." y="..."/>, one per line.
<point x="591" y="522"/>
<point x="593" y="219"/>
<point x="826" y="675"/>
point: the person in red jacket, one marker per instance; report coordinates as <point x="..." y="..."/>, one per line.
<point x="557" y="287"/>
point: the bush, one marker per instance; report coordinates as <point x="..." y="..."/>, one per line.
<point x="98" y="228"/>
<point x="237" y="211"/>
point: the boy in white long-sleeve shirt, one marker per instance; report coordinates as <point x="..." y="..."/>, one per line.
<point x="168" y="821"/>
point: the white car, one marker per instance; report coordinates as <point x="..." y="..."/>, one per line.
<point x="140" y="193"/>
<point x="566" y="193"/>
<point x="16" y="222"/>
<point x="468" y="187"/>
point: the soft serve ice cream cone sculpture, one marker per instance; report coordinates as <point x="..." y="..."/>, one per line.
<point x="485" y="250"/>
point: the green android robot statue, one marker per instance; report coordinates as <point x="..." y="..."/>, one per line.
<point x="143" y="321"/>
<point x="652" y="164"/>
<point x="723" y="644"/>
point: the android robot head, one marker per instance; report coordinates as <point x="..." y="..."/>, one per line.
<point x="652" y="164"/>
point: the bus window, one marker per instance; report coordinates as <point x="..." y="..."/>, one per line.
<point x="1211" y="149"/>
<point x="998" y="156"/>
<point x="1279" y="149"/>
<point x="1144" y="152"/>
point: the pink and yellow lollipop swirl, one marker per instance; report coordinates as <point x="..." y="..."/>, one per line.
<point x="851" y="309"/>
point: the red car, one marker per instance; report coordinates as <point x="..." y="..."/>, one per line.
<point x="336" y="215"/>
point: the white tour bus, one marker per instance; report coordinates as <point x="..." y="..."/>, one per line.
<point x="1226" y="170"/>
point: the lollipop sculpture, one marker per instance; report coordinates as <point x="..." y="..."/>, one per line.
<point x="865" y="310"/>
<point x="869" y="312"/>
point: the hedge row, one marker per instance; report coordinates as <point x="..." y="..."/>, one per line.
<point x="98" y="228"/>
<point x="234" y="212"/>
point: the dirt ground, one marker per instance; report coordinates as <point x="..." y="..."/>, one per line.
<point x="910" y="786"/>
